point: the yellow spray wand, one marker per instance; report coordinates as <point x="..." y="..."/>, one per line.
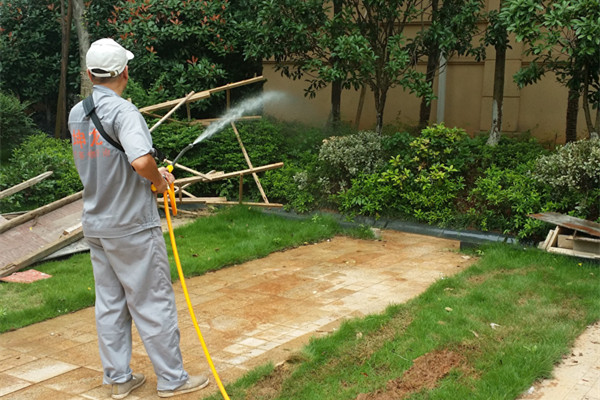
<point x="169" y="194"/>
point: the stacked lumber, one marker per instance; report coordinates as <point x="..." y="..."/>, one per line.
<point x="572" y="236"/>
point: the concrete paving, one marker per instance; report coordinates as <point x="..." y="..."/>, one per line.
<point x="260" y="311"/>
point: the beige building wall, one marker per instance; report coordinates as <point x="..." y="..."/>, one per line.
<point x="539" y="109"/>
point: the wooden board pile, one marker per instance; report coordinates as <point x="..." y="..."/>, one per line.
<point x="572" y="236"/>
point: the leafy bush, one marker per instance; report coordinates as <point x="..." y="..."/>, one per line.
<point x="346" y="157"/>
<point x="509" y="153"/>
<point x="428" y="176"/>
<point x="37" y="154"/>
<point x="15" y="124"/>
<point x="290" y="185"/>
<point x="369" y="195"/>
<point x="502" y="199"/>
<point x="573" y="172"/>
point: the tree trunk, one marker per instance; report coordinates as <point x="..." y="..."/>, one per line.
<point x="336" y="86"/>
<point x="572" y="111"/>
<point x="380" y="99"/>
<point x="60" y="129"/>
<point x="336" y="100"/>
<point x="498" y="96"/>
<point x="433" y="59"/>
<point x="83" y="39"/>
<point x="433" y="55"/>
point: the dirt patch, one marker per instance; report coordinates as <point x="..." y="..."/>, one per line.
<point x="425" y="373"/>
<point x="270" y="386"/>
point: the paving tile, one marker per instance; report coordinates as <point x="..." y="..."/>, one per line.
<point x="77" y="381"/>
<point x="38" y="392"/>
<point x="11" y="384"/>
<point x="40" y="370"/>
<point x="14" y="359"/>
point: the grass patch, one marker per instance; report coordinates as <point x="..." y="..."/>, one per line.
<point x="231" y="236"/>
<point x="486" y="333"/>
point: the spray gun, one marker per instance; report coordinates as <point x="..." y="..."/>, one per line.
<point x="186" y="148"/>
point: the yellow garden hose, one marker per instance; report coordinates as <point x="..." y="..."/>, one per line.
<point x="170" y="194"/>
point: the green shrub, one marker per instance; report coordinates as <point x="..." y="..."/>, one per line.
<point x="15" y="123"/>
<point x="290" y="185"/>
<point x="346" y="157"/>
<point x="37" y="154"/>
<point x="502" y="199"/>
<point x="428" y="176"/>
<point x="509" y="153"/>
<point x="573" y="172"/>
<point x="395" y="144"/>
<point x="369" y="195"/>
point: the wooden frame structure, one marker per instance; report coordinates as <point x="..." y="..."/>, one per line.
<point x="183" y="183"/>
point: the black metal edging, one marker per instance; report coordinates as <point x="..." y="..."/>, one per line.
<point x="467" y="238"/>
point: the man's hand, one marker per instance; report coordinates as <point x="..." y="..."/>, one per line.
<point x="167" y="177"/>
<point x="161" y="178"/>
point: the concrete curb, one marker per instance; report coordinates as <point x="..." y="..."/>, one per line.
<point x="467" y="238"/>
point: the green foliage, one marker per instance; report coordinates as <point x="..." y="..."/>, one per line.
<point x="345" y="157"/>
<point x="30" y="48"/>
<point x="180" y="47"/>
<point x="428" y="177"/>
<point x="573" y="173"/>
<point x="325" y="42"/>
<point x="291" y="186"/>
<point x="15" y="123"/>
<point x="509" y="153"/>
<point x="37" y="154"/>
<point x="502" y="198"/>
<point x="368" y="195"/>
<point x="562" y="37"/>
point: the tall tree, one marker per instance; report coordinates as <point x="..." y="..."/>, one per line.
<point x="83" y="39"/>
<point x="66" y="19"/>
<point x="496" y="35"/>
<point x="452" y="27"/>
<point x="294" y="34"/>
<point x="370" y="47"/>
<point x="179" y="46"/>
<point x="563" y="37"/>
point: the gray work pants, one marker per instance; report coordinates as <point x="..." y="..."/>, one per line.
<point x="132" y="280"/>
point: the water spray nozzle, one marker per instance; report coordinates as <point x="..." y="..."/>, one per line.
<point x="186" y="148"/>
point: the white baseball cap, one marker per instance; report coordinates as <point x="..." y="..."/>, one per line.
<point x="107" y="58"/>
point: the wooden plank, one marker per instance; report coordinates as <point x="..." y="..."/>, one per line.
<point x="39" y="211"/>
<point x="567" y="221"/>
<point x="247" y="158"/>
<point x="208" y="121"/>
<point x="196" y="200"/>
<point x="569" y="252"/>
<point x="544" y="245"/>
<point x="71" y="229"/>
<point x="167" y="115"/>
<point x="43" y="252"/>
<point x="238" y="84"/>
<point x="171" y="103"/>
<point x="192" y="179"/>
<point x="587" y="245"/>
<point x="553" y="239"/>
<point x="25" y="185"/>
<point x="223" y="201"/>
<point x="237" y="203"/>
<point x="184" y="168"/>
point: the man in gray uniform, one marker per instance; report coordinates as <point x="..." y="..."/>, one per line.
<point x="122" y="226"/>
